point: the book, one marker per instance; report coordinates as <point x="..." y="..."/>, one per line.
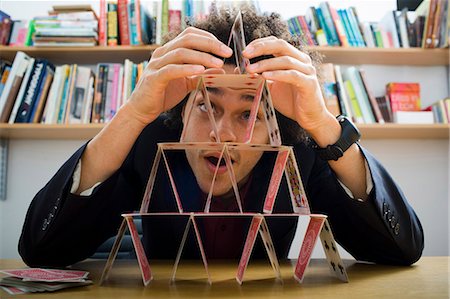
<point x="352" y="74"/>
<point x="356" y="110"/>
<point x="326" y="74"/>
<point x="413" y="117"/>
<point x="122" y="19"/>
<point x="13" y="82"/>
<point x="404" y="96"/>
<point x="385" y="108"/>
<point x="112" y="31"/>
<point x="373" y="102"/>
<point x="79" y="95"/>
<point x="43" y="95"/>
<point x="344" y="101"/>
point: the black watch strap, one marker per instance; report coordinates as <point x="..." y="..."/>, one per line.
<point x="349" y="135"/>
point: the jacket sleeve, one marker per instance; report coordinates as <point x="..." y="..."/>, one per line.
<point x="383" y="229"/>
<point x="62" y="228"/>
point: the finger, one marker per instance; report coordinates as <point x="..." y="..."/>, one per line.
<point x="288" y="76"/>
<point x="200" y="43"/>
<point x="219" y="71"/>
<point x="281" y="63"/>
<point x="198" y="31"/>
<point x="262" y="39"/>
<point x="175" y="71"/>
<point x="275" y="47"/>
<point x="186" y="56"/>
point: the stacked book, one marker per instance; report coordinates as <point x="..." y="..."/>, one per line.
<point x="66" y="28"/>
<point x="346" y="90"/>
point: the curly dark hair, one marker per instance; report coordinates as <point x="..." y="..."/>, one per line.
<point x="219" y="22"/>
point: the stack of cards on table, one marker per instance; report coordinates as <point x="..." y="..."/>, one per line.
<point x="33" y="280"/>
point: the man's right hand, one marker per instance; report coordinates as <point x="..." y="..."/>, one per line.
<point x="170" y="73"/>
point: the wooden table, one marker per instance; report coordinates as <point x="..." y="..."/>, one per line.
<point x="428" y="278"/>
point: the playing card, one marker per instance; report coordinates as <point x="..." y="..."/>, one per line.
<point x="331" y="252"/>
<point x="295" y="184"/>
<point x="114" y="250"/>
<point x="232" y="176"/>
<point x="202" y="250"/>
<point x="270" y="117"/>
<point x="48" y="275"/>
<point x="172" y="183"/>
<point x="140" y="253"/>
<point x="190" y="104"/>
<point x="208" y="200"/>
<point x="180" y="249"/>
<point x="13" y="290"/>
<point x="238" y="37"/>
<point x="270" y="249"/>
<point x="151" y="181"/>
<point x="248" y="247"/>
<point x="275" y="180"/>
<point x="311" y="235"/>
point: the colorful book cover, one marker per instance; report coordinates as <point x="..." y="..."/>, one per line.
<point x="122" y="17"/>
<point x="404" y="96"/>
<point x="357" y="115"/>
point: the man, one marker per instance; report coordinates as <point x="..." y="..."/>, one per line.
<point x="80" y="207"/>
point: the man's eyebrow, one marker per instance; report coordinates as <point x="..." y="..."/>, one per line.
<point x="219" y="92"/>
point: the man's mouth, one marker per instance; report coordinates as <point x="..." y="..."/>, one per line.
<point x="213" y="160"/>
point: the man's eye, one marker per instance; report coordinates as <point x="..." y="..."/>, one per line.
<point x="203" y="108"/>
<point x="245" y="115"/>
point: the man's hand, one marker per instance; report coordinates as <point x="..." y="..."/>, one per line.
<point x="293" y="82"/>
<point x="169" y="74"/>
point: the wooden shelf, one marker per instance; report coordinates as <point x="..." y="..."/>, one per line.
<point x="83" y="55"/>
<point x="393" y="56"/>
<point x="84" y="132"/>
<point x="338" y="55"/>
<point x="404" y="131"/>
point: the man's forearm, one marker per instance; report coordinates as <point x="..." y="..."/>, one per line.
<point x="350" y="168"/>
<point x="106" y="152"/>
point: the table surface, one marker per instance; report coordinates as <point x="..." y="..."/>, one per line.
<point x="428" y="278"/>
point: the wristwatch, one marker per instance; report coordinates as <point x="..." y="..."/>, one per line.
<point x="349" y="135"/>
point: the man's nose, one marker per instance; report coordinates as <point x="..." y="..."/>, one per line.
<point x="224" y="130"/>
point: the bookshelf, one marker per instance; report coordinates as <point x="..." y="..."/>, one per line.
<point x="337" y="55"/>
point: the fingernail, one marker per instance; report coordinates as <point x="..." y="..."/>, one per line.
<point x="226" y="50"/>
<point x="217" y="61"/>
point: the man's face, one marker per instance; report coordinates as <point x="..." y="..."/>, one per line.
<point x="231" y="111"/>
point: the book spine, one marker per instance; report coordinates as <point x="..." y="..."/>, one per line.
<point x="376" y="110"/>
<point x="165" y="17"/>
<point x="44" y="95"/>
<point x="342" y="95"/>
<point x="47" y="115"/>
<point x="106" y="72"/>
<point x="329" y="23"/>
<point x="137" y="14"/>
<point x="358" y="118"/>
<point x="97" y="103"/>
<point x="112" y="25"/>
<point x="102" y="25"/>
<point x="40" y="88"/>
<point x="339" y="27"/>
<point x="4" y="78"/>
<point x="26" y="107"/>
<point x="122" y="11"/>
<point x="14" y="68"/>
<point x="23" y="89"/>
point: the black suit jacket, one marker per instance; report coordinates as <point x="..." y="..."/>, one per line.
<point x="61" y="228"/>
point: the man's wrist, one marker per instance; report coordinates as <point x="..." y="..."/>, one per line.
<point x="327" y="132"/>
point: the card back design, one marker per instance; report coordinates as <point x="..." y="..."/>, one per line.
<point x="311" y="235"/>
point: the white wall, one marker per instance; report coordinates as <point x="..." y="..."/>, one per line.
<point x="421" y="167"/>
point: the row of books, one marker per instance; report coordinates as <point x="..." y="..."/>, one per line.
<point x="426" y="27"/>
<point x="346" y="91"/>
<point x="34" y="91"/>
<point x="441" y="111"/>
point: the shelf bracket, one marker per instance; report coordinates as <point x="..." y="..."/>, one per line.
<point x="4" y="144"/>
